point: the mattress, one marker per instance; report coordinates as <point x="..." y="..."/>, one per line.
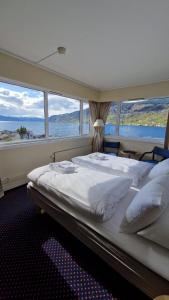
<point x="153" y="256"/>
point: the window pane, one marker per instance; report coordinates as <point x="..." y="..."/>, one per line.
<point x="64" y="116"/>
<point x="21" y="113"/>
<point x="111" y="127"/>
<point x="86" y="118"/>
<point x="144" y="118"/>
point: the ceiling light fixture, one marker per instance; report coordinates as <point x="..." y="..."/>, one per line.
<point x="60" y="50"/>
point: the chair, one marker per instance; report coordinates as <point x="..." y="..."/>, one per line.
<point x="164" y="153"/>
<point x="115" y="146"/>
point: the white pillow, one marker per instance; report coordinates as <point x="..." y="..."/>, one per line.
<point x="146" y="207"/>
<point x="158" y="232"/>
<point x="162" y="168"/>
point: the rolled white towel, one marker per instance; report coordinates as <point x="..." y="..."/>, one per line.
<point x="98" y="156"/>
<point x="64" y="167"/>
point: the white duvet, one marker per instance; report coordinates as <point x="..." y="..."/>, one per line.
<point x="86" y="189"/>
<point x="115" y="165"/>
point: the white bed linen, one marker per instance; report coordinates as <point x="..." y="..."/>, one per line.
<point x="85" y="189"/>
<point x="115" y="165"/>
<point x="146" y="252"/>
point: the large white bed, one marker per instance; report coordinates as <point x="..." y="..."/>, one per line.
<point x="149" y="254"/>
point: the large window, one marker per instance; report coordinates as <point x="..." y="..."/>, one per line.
<point x="21" y="113"/>
<point x="28" y="114"/>
<point x="144" y="118"/>
<point x="64" y="116"/>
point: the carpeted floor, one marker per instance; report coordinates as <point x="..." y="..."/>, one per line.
<point x="39" y="259"/>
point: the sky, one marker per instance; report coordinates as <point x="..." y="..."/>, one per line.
<point x="20" y="101"/>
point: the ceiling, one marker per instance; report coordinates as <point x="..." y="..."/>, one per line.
<point x="110" y="43"/>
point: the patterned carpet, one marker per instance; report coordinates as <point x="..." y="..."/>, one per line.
<point x="39" y="259"/>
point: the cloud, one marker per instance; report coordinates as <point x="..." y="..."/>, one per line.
<point x="38" y="105"/>
<point x="60" y="105"/>
<point x="20" y="101"/>
<point x="11" y="100"/>
<point x="4" y="92"/>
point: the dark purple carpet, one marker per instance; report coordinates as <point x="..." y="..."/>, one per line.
<point x="39" y="259"/>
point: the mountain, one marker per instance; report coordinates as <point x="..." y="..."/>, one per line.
<point x="63" y="118"/>
<point x="152" y="112"/>
<point x="24" y="119"/>
<point x="69" y="117"/>
<point x="142" y="106"/>
<point x="130" y="107"/>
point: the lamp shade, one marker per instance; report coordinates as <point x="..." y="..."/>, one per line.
<point x="98" y="123"/>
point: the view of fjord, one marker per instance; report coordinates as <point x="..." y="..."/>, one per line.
<point x="68" y="130"/>
<point x="37" y="128"/>
<point x="22" y="116"/>
<point x="67" y="125"/>
<point x="64" y="125"/>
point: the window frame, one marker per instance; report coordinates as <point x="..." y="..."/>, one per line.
<point x="46" y="139"/>
<point x="117" y="134"/>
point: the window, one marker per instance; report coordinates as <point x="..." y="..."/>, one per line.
<point x="21" y="113"/>
<point x="64" y="116"/>
<point x="28" y="114"/>
<point x="144" y="118"/>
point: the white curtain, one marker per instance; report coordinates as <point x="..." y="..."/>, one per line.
<point x="98" y="111"/>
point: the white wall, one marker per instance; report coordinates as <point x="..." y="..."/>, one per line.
<point x="15" y="163"/>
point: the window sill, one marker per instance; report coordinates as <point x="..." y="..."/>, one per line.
<point x="23" y="144"/>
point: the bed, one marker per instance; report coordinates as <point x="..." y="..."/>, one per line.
<point x="142" y="262"/>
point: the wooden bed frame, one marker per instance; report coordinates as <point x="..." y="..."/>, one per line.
<point x="146" y="280"/>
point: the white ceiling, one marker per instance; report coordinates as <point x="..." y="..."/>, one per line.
<point x="110" y="43"/>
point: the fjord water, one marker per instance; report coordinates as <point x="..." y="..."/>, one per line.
<point x="72" y="129"/>
<point x="38" y="128"/>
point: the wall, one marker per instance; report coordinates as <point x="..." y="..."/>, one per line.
<point x="19" y="71"/>
<point x="145" y="91"/>
<point x="16" y="163"/>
